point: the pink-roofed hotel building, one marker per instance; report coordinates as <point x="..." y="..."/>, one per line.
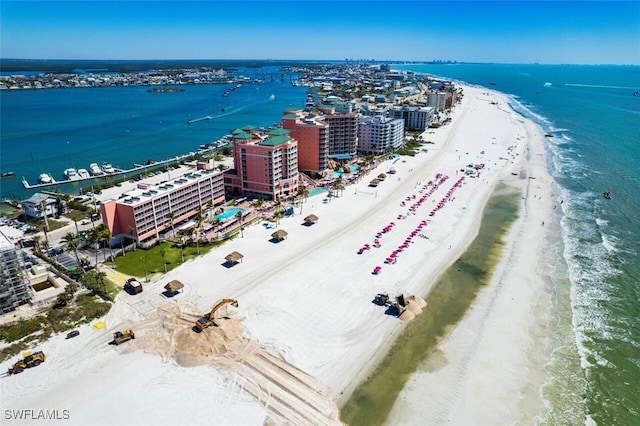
<point x="265" y="165"/>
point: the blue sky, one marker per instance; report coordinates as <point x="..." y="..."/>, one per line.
<point x="507" y="31"/>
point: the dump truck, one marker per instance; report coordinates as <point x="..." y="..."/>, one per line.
<point x="29" y="360"/>
<point x="123" y="336"/>
<point x="207" y="320"/>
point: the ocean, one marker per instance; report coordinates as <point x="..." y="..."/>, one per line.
<point x="594" y="118"/>
<point x="595" y="256"/>
<point x="50" y="130"/>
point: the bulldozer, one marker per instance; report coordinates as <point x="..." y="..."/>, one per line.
<point x="122" y="336"/>
<point x="29" y="360"/>
<point x="207" y="320"/>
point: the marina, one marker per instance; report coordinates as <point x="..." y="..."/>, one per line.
<point x="108" y="171"/>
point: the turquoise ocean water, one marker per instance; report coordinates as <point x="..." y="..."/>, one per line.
<point x="54" y="129"/>
<point x="595" y="119"/>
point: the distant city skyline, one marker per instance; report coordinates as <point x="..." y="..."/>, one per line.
<point x="544" y="32"/>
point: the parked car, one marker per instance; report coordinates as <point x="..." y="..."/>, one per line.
<point x="133" y="286"/>
<point x="56" y="251"/>
<point x="72" y="334"/>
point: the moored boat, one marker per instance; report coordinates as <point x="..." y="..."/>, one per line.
<point x="108" y="168"/>
<point x="83" y="174"/>
<point x="45" y="178"/>
<point x="8" y="174"/>
<point x="71" y="174"/>
<point x="95" y="169"/>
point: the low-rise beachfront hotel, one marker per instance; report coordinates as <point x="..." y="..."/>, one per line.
<point x="265" y="164"/>
<point x="150" y="209"/>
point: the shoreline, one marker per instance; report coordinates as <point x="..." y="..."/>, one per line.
<point x="306" y="300"/>
<point x="502" y="334"/>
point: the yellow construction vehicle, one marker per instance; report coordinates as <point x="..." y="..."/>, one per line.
<point x="122" y="336"/>
<point x="207" y="320"/>
<point x="30" y="360"/>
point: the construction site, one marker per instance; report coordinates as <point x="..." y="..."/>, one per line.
<point x="177" y="333"/>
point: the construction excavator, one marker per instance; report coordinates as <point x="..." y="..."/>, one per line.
<point x="207" y="320"/>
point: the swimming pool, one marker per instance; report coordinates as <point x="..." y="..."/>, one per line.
<point x="228" y="213"/>
<point x="340" y="172"/>
<point x="316" y="191"/>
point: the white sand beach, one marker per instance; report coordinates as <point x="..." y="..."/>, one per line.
<point x="306" y="332"/>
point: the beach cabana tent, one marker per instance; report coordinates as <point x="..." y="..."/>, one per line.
<point x="382" y="176"/>
<point x="174" y="286"/>
<point x="279" y="235"/>
<point x="234" y="257"/>
<point x="374" y="182"/>
<point x="312" y="218"/>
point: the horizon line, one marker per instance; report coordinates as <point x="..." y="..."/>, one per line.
<point x="391" y="61"/>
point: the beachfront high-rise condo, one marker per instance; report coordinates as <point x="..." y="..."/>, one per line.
<point x="343" y="134"/>
<point x="437" y="100"/>
<point x="265" y="164"/>
<point x="14" y="286"/>
<point x="378" y="134"/>
<point x="415" y="118"/>
<point x="328" y="135"/>
<point x="150" y="209"/>
<point x="312" y="134"/>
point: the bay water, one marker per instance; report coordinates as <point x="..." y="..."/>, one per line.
<point x="50" y="130"/>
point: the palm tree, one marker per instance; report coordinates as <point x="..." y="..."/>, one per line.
<point x="277" y="215"/>
<point x="71" y="241"/>
<point x="210" y="209"/>
<point x="43" y="205"/>
<point x="93" y="235"/>
<point x="337" y="185"/>
<point x="105" y="236"/>
<point x="303" y="193"/>
<point x="170" y="217"/>
<point x="239" y="217"/>
<point x="181" y="234"/>
<point x="163" y="253"/>
<point x="36" y="243"/>
<point x="199" y="218"/>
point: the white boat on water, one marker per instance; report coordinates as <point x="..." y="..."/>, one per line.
<point x="71" y="174"/>
<point x="83" y="174"/>
<point x="45" y="178"/>
<point x="95" y="169"/>
<point x="108" y="168"/>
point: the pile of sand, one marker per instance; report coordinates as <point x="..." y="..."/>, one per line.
<point x="407" y="316"/>
<point x="412" y="306"/>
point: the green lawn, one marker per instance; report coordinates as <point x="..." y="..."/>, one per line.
<point x="154" y="259"/>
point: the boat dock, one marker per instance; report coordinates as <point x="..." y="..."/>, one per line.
<point x="54" y="182"/>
